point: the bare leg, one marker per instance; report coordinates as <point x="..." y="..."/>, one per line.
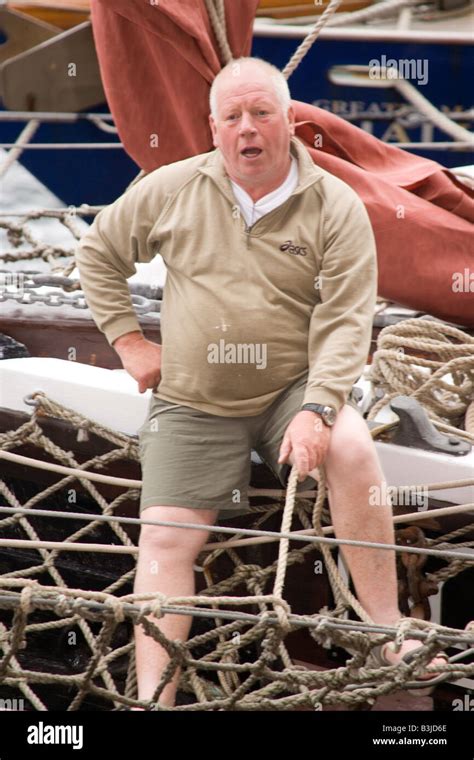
<point x="165" y="564"/>
<point x="361" y="510"/>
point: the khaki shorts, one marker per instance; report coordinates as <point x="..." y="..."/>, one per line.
<point x="197" y="460"/>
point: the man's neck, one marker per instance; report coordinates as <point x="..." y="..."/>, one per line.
<point x="259" y="191"/>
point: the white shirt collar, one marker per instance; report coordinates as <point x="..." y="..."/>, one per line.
<point x="254" y="210"/>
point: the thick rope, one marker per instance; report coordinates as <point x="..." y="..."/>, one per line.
<point x="425" y="107"/>
<point x="269" y="627"/>
<point x="216" y="13"/>
<point x="21" y="142"/>
<point x="444" y="385"/>
<point x="469" y="419"/>
<point x="359" y="683"/>
<point x="310" y="39"/>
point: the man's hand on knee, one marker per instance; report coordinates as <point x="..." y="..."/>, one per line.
<point x="307" y="440"/>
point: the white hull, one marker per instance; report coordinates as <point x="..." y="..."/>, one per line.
<point x="111" y="398"/>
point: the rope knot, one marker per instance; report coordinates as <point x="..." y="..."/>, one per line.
<point x="117" y="608"/>
<point x="282" y="610"/>
<point x="403" y="628"/>
<point x="15" y="235"/>
<point x="83" y="431"/>
<point x="62" y="605"/>
<point x="157" y="604"/>
<point x="25" y="599"/>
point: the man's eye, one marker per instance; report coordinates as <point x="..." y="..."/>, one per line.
<point x="262" y="112"/>
<point x="232" y="117"/>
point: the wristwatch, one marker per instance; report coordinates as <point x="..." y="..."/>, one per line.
<point x="328" y="414"/>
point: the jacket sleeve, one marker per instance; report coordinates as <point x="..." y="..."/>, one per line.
<point x="341" y="324"/>
<point x="106" y="257"/>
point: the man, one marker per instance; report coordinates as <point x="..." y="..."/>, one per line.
<point x="266" y="323"/>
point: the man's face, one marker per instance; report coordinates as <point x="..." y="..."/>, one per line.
<point x="251" y="129"/>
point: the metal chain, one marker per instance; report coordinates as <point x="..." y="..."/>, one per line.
<point x="20" y="287"/>
<point x="77" y="301"/>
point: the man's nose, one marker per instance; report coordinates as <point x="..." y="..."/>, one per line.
<point x="246" y="123"/>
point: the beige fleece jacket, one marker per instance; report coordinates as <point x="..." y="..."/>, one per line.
<point x="246" y="311"/>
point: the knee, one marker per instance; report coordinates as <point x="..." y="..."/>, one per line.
<point x="177" y="544"/>
<point x="352" y="452"/>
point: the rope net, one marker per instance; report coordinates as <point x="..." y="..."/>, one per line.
<point x="21" y="235"/>
<point x="74" y="645"/>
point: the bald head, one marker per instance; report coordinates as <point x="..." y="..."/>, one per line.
<point x="252" y="71"/>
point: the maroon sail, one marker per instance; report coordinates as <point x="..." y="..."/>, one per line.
<point x="158" y="61"/>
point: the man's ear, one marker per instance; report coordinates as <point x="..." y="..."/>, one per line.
<point x="291" y="120"/>
<point x="212" y="125"/>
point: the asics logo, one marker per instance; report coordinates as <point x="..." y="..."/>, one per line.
<point x="296" y="250"/>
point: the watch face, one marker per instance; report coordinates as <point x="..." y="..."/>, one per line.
<point x="330" y="415"/>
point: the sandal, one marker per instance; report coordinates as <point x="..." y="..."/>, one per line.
<point x="378" y="658"/>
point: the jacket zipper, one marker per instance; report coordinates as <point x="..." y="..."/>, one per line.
<point x="249" y="229"/>
<point x="247" y="233"/>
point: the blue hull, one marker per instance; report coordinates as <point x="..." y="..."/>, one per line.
<point x="449" y="85"/>
<point x="95" y="177"/>
<point x="99" y="176"/>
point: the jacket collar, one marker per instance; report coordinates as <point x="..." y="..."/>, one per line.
<point x="308" y="172"/>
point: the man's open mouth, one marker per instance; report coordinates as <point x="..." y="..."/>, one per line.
<point x="251" y="152"/>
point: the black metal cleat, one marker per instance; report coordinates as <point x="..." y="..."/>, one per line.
<point x="416" y="430"/>
<point x="11" y="349"/>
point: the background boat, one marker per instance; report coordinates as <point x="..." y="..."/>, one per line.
<point x="88" y="159"/>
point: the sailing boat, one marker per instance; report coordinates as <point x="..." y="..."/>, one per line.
<point x="333" y="76"/>
<point x="84" y="388"/>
